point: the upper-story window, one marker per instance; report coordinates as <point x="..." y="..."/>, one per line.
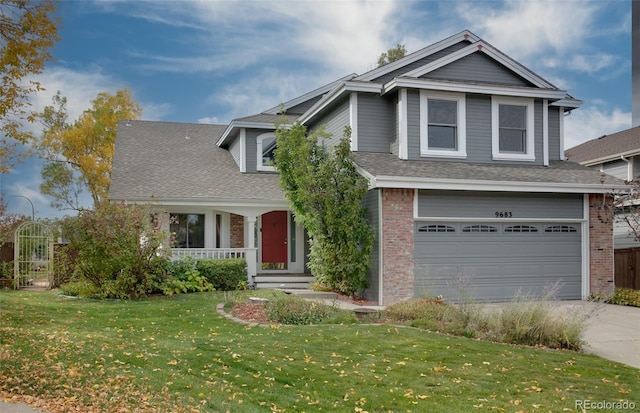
<point x="266" y="146"/>
<point x="442" y="124"/>
<point x="512" y="129"/>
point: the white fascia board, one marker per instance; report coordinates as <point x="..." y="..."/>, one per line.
<point x="472" y="88"/>
<point x="567" y="102"/>
<point x="338" y="91"/>
<point x="223" y="203"/>
<point x="613" y="157"/>
<point x="309" y="95"/>
<point x="420" y="54"/>
<point x="243" y="124"/>
<point x="475" y="185"/>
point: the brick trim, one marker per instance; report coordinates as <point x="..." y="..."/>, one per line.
<point x="601" y="256"/>
<point x="397" y="242"/>
<point x="236" y="231"/>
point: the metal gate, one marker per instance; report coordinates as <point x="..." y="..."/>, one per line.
<point x="33" y="255"/>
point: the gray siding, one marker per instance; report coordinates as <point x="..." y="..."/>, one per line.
<point x="464" y="204"/>
<point x="622" y="238"/>
<point x="251" y="149"/>
<point x="376" y="119"/>
<point x="636" y="167"/>
<point x="413" y="124"/>
<point x="477" y="67"/>
<point x="478" y="128"/>
<point x="370" y="202"/>
<point x="554" y="133"/>
<point x="618" y="168"/>
<point x="334" y="122"/>
<point x="415" y="65"/>
<point x="234" y="149"/>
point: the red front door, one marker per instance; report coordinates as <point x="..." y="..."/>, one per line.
<point x="274" y="240"/>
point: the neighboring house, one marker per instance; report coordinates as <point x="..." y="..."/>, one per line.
<point x="618" y="155"/>
<point x="463" y="150"/>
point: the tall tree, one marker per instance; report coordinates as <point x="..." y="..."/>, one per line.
<point x="27" y="31"/>
<point x="79" y="155"/>
<point x="326" y="192"/>
<point x="392" y="55"/>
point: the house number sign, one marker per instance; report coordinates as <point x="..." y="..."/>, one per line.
<point x="504" y="214"/>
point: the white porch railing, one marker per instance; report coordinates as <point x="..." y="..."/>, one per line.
<point x="249" y="254"/>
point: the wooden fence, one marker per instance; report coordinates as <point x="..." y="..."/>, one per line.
<point x="627" y="268"/>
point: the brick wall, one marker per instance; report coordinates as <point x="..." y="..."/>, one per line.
<point x="397" y="239"/>
<point x="236" y="231"/>
<point x="601" y="246"/>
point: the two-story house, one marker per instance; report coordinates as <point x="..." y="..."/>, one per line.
<point x="463" y="150"/>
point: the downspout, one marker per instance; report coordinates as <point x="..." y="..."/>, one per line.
<point x="629" y="168"/>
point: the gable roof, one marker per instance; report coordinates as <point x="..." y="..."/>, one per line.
<point x="606" y="147"/>
<point x="170" y="161"/>
<point x="268" y="118"/>
<point x="444" y="53"/>
<point x="387" y="170"/>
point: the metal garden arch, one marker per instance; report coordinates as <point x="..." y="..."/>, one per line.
<point x="33" y="255"/>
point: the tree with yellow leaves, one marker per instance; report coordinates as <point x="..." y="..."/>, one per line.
<point x="27" y="31"/>
<point x="80" y="155"/>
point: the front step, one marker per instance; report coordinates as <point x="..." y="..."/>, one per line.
<point x="283" y="281"/>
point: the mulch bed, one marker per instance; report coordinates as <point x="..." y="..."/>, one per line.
<point x="253" y="312"/>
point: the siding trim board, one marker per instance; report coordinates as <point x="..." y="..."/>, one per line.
<point x="353" y="120"/>
<point x="468" y="87"/>
<point x="403" y="139"/>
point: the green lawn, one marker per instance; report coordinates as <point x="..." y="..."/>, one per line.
<point x="177" y="354"/>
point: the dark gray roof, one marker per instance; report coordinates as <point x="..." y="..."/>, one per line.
<point x="558" y="172"/>
<point x="606" y="146"/>
<point x="157" y="160"/>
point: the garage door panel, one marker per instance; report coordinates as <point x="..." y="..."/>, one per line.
<point x="499" y="264"/>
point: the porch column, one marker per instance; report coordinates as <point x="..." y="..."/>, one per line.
<point x="251" y="250"/>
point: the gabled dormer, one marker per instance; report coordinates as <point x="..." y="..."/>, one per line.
<point x="459" y="99"/>
<point x="251" y="139"/>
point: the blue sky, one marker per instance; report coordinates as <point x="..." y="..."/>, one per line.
<point x="212" y="61"/>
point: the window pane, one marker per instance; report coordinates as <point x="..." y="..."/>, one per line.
<point x="187" y="230"/>
<point x="512" y="140"/>
<point x="268" y="146"/>
<point x="513" y="116"/>
<point x="443" y="112"/>
<point x="442" y="137"/>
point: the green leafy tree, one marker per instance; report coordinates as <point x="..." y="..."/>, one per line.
<point x="27" y="31"/>
<point x="116" y="249"/>
<point x="80" y="155"/>
<point x="325" y="192"/>
<point x="392" y="55"/>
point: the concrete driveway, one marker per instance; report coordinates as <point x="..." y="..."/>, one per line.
<point x="613" y="332"/>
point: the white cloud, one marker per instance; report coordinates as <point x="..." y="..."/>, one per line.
<point x="527" y="29"/>
<point x="590" y="122"/>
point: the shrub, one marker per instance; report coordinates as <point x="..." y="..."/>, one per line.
<point x="416" y="309"/>
<point x="79" y="288"/>
<point x="290" y="309"/>
<point x="225" y="275"/>
<point x="182" y="277"/>
<point x="116" y="246"/>
<point x="625" y="296"/>
<point x="537" y="322"/>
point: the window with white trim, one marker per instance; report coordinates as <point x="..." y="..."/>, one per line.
<point x="443" y="124"/>
<point x="512" y="121"/>
<point x="266" y="146"/>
